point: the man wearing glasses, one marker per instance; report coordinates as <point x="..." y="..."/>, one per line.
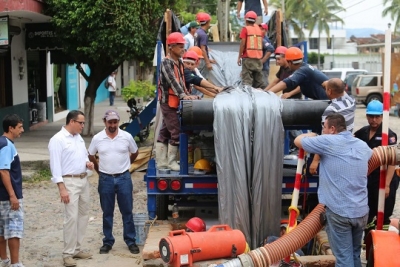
<point x="69" y="163"/>
<point x="372" y="135"/>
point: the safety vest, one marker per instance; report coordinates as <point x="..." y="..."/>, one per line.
<point x="254" y="42"/>
<point x="173" y="99"/>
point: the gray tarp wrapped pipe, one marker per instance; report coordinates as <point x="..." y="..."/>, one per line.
<point x="248" y="139"/>
<point x="226" y="71"/>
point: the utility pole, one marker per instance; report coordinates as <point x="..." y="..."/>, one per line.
<point x="333" y="51"/>
<point x="223" y="19"/>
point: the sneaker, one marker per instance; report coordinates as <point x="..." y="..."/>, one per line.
<point x="5" y="263"/>
<point x="105" y="249"/>
<point x="16" y="265"/>
<point x="82" y="255"/>
<point x="134" y="249"/>
<point x="69" y="261"/>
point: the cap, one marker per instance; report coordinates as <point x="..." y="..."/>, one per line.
<point x="111" y="115"/>
<point x="264" y="26"/>
<point x="193" y="24"/>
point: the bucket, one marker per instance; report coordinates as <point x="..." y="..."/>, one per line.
<point x="41" y="111"/>
<point x="141" y="227"/>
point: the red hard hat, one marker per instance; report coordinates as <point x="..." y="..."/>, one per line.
<point x="196" y="224"/>
<point x="191" y="55"/>
<point x="203" y="17"/>
<point x="251" y="16"/>
<point x="281" y="50"/>
<point x="175" y="38"/>
<point x="293" y="54"/>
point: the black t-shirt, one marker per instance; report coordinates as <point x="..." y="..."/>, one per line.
<point x="375" y="141"/>
<point x="283" y="73"/>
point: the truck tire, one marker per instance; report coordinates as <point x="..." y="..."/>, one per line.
<point x="373" y="97"/>
<point x="162" y="207"/>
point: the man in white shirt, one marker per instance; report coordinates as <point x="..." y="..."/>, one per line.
<point x="112" y="87"/>
<point x="189" y="37"/>
<point x="116" y="150"/>
<point x="69" y="163"/>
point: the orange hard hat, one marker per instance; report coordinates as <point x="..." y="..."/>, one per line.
<point x="175" y="38"/>
<point x="281" y="50"/>
<point x="294" y="54"/>
<point x="197" y="50"/>
<point x="251" y="16"/>
<point x="191" y="55"/>
<point x="196" y="224"/>
<point x="203" y="17"/>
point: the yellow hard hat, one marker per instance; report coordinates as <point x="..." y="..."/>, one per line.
<point x="203" y="165"/>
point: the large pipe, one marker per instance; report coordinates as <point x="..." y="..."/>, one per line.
<point x="310" y="226"/>
<point x="201" y="113"/>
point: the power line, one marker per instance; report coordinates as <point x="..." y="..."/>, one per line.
<point x="358" y="12"/>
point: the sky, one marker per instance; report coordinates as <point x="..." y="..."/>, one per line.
<point x="364" y="14"/>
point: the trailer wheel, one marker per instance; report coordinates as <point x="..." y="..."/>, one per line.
<point x="162" y="207"/>
<point x="370" y="262"/>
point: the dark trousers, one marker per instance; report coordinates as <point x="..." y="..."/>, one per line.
<point x="169" y="131"/>
<point x="112" y="97"/>
<point x="373" y="195"/>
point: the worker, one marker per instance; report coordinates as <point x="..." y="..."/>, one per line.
<point x="252" y="5"/>
<point x="201" y="40"/>
<point x="340" y="103"/>
<point x="372" y="135"/>
<point x="189" y="37"/>
<point x="251" y="53"/>
<point x="284" y="72"/>
<point x="310" y="80"/>
<point x="268" y="49"/>
<point x="192" y="81"/>
<point x="342" y="186"/>
<point x="171" y="90"/>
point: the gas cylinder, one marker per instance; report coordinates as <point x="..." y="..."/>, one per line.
<point x="180" y="248"/>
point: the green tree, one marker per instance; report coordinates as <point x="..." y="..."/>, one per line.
<point x="104" y="33"/>
<point x="322" y="13"/>
<point x="394" y="10"/>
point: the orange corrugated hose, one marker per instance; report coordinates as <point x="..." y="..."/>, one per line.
<point x="311" y="225"/>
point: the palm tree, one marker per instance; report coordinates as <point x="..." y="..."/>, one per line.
<point x="295" y="11"/>
<point x="394" y="10"/>
<point x="322" y="13"/>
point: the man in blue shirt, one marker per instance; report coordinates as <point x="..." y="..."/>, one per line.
<point x="268" y="49"/>
<point x="201" y="40"/>
<point x="310" y="80"/>
<point x="252" y="5"/>
<point x="342" y="187"/>
<point x="11" y="205"/>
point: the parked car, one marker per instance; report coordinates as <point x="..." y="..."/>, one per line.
<point x="342" y="72"/>
<point x="349" y="81"/>
<point x="367" y="87"/>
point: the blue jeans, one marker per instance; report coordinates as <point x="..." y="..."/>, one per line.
<point x="345" y="237"/>
<point x="122" y="187"/>
<point x="112" y="97"/>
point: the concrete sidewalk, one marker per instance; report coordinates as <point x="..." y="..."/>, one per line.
<point x="32" y="145"/>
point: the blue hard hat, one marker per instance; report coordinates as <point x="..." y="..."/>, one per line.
<point x="375" y="107"/>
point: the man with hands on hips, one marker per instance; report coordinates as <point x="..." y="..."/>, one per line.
<point x="69" y="163"/>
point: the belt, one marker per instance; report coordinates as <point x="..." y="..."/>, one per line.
<point x="115" y="174"/>
<point x="81" y="176"/>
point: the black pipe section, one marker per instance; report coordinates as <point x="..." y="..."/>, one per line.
<point x="294" y="112"/>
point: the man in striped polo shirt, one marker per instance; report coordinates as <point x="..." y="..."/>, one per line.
<point x="340" y="103"/>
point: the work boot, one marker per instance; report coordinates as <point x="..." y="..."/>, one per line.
<point x="161" y="155"/>
<point x="172" y="164"/>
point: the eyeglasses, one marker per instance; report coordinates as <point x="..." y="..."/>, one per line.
<point x="80" y="122"/>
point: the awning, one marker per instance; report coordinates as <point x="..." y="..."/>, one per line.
<point x="59" y="57"/>
<point x="41" y="36"/>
